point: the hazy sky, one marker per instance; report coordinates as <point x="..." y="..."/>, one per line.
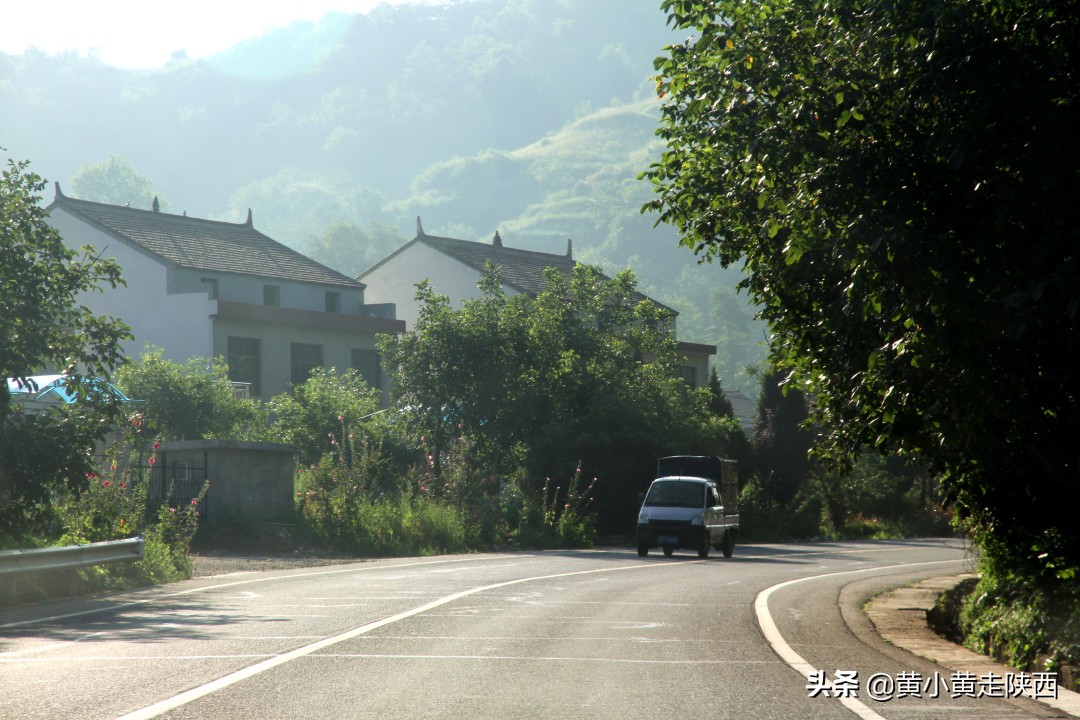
<point x="141" y="34"/>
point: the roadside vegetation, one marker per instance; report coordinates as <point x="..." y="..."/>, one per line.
<point x="897" y="181"/>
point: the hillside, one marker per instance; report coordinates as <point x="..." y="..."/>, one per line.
<point x="533" y="118"/>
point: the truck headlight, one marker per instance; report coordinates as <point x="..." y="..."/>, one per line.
<point x="699" y="519"/>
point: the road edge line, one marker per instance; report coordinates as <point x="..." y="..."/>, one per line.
<point x="780" y="646"/>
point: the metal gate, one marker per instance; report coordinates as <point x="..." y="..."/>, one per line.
<point x="178" y="479"/>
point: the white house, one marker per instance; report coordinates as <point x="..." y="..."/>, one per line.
<point x="204" y="288"/>
<point x="454" y="266"/>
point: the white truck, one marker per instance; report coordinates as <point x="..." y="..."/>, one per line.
<point x="692" y="504"/>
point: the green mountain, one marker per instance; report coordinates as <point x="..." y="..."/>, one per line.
<point x="530" y="117"/>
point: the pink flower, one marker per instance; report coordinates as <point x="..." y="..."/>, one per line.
<point x="341" y="417"/>
<point x="105" y="484"/>
<point x="156" y="444"/>
<point x="153" y="460"/>
<point x="195" y="501"/>
<point x="172" y="510"/>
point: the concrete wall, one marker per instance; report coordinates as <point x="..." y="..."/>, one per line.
<point x="249" y="482"/>
<point x="700" y="363"/>
<point x="277" y="328"/>
<point x="249" y="289"/>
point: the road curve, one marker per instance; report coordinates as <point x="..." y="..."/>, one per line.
<point x="584" y="634"/>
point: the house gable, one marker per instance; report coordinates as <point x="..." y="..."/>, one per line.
<point x="520" y="271"/>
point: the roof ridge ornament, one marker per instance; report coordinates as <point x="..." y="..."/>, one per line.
<point x="497" y="240"/>
<point x="59" y="192"/>
<point x="248" y="221"/>
<point x="570" y="248"/>
<point x="419" y="227"/>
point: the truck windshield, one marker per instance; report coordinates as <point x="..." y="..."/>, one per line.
<point x="676" y="493"/>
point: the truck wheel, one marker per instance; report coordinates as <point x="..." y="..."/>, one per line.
<point x="703" y="551"/>
<point x="729" y="544"/>
<point x="668" y="550"/>
<point x="642" y="550"/>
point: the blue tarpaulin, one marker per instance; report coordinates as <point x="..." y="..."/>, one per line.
<point x="52" y="388"/>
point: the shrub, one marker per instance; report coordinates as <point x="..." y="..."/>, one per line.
<point x="190" y="400"/>
<point x="556" y="519"/>
<point x="1028" y="624"/>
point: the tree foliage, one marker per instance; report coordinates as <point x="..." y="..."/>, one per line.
<point x="115" y="181"/>
<point x="43" y="328"/>
<point x="782" y="442"/>
<point x="188" y="401"/>
<point x="580" y="378"/>
<point x="350" y="249"/>
<point x="313" y="415"/>
<point x="899" y="180"/>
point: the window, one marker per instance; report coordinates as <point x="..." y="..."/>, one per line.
<point x="211" y="287"/>
<point x="243" y="359"/>
<point x="305" y="358"/>
<point x="271" y="295"/>
<point x="367" y="362"/>
<point x="333" y="302"/>
<point x="689" y="375"/>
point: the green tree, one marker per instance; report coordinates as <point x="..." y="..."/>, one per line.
<point x="42" y="328"/>
<point x="115" y="181"/>
<point x="579" y="379"/>
<point x="899" y="180"/>
<point x="190" y="400"/>
<point x="350" y="249"/>
<point x="782" y="443"/>
<point x="316" y="414"/>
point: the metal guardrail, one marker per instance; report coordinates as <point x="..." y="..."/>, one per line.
<point x="14" y="563"/>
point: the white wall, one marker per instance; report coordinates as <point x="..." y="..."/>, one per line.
<point x="179" y="324"/>
<point x="395" y="280"/>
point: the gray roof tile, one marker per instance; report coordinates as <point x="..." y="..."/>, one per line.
<point x="522" y="270"/>
<point x="199" y="244"/>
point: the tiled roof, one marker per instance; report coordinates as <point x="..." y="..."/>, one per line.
<point x="200" y="244"/>
<point x="743" y="408"/>
<point x="522" y="270"/>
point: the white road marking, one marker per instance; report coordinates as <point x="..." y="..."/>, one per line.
<point x="130" y="658"/>
<point x="49" y="646"/>
<point x="207" y="588"/>
<point x="792" y="658"/>
<point x="381" y="656"/>
<point x="534" y="658"/>
<point x="225" y="681"/>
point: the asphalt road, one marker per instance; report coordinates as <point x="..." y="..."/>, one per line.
<point x="590" y="634"/>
